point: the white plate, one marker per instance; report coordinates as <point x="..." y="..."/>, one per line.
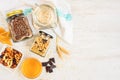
<point x="8" y="68"/>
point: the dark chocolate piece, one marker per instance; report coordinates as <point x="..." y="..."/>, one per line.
<point x="50" y="63"/>
<point x="49" y="69"/>
<point x="51" y="66"/>
<point x="52" y="59"/>
<point x="44" y="63"/>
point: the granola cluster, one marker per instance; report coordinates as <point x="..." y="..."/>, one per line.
<point x="10" y="57"/>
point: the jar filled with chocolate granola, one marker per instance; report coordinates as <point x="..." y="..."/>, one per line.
<point x="18" y="25"/>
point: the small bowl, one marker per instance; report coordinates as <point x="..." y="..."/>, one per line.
<point x="6" y="67"/>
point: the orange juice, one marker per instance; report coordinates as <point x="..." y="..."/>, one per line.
<point x="31" y="68"/>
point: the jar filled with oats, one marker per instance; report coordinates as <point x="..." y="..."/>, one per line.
<point x="44" y="16"/>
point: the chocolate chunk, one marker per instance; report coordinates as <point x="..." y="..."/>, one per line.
<point x="44" y="63"/>
<point x="50" y="62"/>
<point x="52" y="59"/>
<point x="49" y="69"/>
<point x="53" y="66"/>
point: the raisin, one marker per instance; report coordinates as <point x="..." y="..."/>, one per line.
<point x="14" y="61"/>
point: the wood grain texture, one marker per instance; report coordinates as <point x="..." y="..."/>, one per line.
<point x="96" y="49"/>
<point x="95" y="53"/>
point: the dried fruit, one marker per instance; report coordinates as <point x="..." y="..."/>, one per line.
<point x="5" y="37"/>
<point x="10" y="57"/>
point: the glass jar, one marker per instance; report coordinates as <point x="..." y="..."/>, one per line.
<point x="44" y="16"/>
<point x="18" y="25"/>
<point x="41" y="43"/>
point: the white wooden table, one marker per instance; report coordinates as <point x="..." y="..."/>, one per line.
<point x="95" y="53"/>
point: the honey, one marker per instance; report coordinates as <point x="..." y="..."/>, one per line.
<point x="31" y="68"/>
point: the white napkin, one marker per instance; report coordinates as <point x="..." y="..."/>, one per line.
<point x="65" y="20"/>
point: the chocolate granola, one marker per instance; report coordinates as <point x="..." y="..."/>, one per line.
<point x="19" y="28"/>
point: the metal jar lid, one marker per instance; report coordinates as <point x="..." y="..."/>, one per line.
<point x="9" y="14"/>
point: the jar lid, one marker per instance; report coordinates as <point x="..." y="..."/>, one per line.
<point x="9" y="14"/>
